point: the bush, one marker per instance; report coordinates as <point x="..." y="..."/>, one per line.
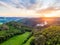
<point x="32" y="42"/>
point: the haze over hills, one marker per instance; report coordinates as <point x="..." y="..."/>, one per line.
<point x="8" y="19"/>
<point x="31" y="21"/>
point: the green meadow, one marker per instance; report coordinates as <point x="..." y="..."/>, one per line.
<point x="29" y="41"/>
<point x="17" y="40"/>
<point x="14" y="33"/>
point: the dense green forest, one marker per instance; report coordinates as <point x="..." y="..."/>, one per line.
<point x="15" y="33"/>
<point x="48" y="36"/>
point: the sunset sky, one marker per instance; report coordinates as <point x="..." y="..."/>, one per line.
<point x="30" y="8"/>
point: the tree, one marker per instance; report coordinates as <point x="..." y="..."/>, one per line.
<point x="48" y="36"/>
<point x="4" y="27"/>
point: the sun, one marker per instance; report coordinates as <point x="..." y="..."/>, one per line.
<point x="50" y="15"/>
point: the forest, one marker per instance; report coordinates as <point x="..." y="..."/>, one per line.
<point x="16" y="33"/>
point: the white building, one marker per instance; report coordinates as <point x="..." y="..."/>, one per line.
<point x="42" y="24"/>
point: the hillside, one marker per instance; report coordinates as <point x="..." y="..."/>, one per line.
<point x="25" y="32"/>
<point x="48" y="36"/>
<point x="17" y="40"/>
<point x="12" y="31"/>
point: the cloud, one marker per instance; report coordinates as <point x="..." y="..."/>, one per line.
<point x="20" y="3"/>
<point x="15" y="1"/>
<point x="34" y="4"/>
<point x="29" y="8"/>
<point x="44" y="4"/>
<point x="12" y="11"/>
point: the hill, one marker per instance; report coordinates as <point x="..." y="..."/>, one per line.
<point x="48" y="36"/>
<point x="10" y="29"/>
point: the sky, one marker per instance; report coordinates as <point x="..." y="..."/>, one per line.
<point x="30" y="8"/>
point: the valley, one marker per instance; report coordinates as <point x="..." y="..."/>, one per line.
<point x="30" y="31"/>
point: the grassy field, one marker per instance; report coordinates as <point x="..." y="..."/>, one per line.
<point x="17" y="40"/>
<point x="28" y="42"/>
